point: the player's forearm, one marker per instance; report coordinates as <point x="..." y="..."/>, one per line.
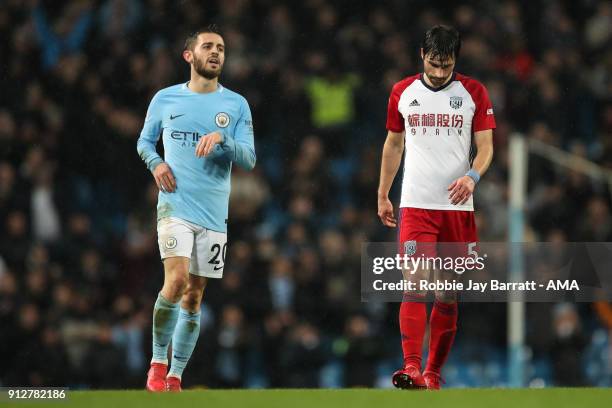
<point x="241" y="153"/>
<point x="148" y="154"/>
<point x="391" y="159"/>
<point x="150" y="134"/>
<point x="245" y="156"/>
<point x="483" y="159"/>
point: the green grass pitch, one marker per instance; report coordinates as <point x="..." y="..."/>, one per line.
<point x="344" y="398"/>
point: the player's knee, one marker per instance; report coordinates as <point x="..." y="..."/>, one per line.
<point x="192" y="299"/>
<point x="177" y="281"/>
<point x="414" y="296"/>
<point x="446" y="296"/>
<point x="192" y="302"/>
<point x="418" y="294"/>
<point x="180" y="281"/>
<point x="173" y="290"/>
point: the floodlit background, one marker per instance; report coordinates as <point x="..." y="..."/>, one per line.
<point x="79" y="265"/>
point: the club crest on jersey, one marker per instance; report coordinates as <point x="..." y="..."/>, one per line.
<point x="456" y="102"/>
<point x="222" y="119"/>
<point x="170" y="243"/>
<point x="410" y="248"/>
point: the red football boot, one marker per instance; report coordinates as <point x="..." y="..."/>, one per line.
<point x="173" y="384"/>
<point x="432" y="380"/>
<point x="409" y="378"/>
<point x="156" y="377"/>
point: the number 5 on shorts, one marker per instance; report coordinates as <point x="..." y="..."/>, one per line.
<point x="472" y="250"/>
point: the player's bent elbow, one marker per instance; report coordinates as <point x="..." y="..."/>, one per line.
<point x="140" y="148"/>
<point x="248" y="160"/>
<point x="250" y="164"/>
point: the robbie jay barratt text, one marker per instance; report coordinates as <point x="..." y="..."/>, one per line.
<point x="492" y="285"/>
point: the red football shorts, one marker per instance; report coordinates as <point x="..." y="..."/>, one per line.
<point x="430" y="227"/>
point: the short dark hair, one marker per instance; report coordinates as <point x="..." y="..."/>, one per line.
<point x="442" y="42"/>
<point x="193" y="37"/>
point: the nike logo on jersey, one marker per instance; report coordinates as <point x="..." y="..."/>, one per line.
<point x="414" y="103"/>
<point x="176" y="116"/>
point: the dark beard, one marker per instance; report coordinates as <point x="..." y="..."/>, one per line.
<point x="206" y="73"/>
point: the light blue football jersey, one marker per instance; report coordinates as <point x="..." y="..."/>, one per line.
<point x="182" y="116"/>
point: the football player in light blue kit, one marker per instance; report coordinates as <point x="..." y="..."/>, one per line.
<point x="205" y="129"/>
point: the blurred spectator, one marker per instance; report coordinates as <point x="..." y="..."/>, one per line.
<point x="597" y="224"/>
<point x="118" y="18"/>
<point x="363" y="350"/>
<point x="107" y="358"/>
<point x="232" y="340"/>
<point x="15" y="241"/>
<point x="567" y="347"/>
<point x="301" y="357"/>
<point x="45" y="214"/>
<point x="332" y="98"/>
<point x="65" y="36"/>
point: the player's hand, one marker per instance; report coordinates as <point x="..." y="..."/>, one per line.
<point x="461" y="190"/>
<point x="207" y="144"/>
<point x="385" y="212"/>
<point x="164" y="178"/>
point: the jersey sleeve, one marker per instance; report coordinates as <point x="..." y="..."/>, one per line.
<point x="483" y="116"/>
<point x="395" y="121"/>
<point x="240" y="147"/>
<point x="150" y="134"/>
